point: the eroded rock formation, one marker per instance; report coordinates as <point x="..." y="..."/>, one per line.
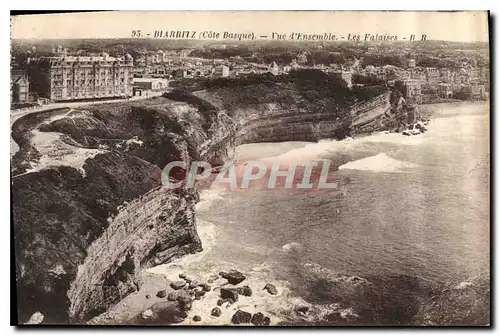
<point x="83" y="235"/>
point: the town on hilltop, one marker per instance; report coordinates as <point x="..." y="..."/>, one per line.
<point x="87" y="70"/>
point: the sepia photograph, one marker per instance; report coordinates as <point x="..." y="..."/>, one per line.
<point x="250" y="168"/>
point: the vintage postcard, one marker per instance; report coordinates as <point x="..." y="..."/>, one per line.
<point x="251" y="168"/>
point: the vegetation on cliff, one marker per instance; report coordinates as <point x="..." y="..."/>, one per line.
<point x="157" y="126"/>
<point x="57" y="214"/>
<point x="311" y="89"/>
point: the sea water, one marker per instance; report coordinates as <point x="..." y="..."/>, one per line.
<point x="411" y="212"/>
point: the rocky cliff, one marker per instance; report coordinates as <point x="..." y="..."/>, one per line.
<point x="82" y="234"/>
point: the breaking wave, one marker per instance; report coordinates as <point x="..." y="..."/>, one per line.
<point x="379" y="163"/>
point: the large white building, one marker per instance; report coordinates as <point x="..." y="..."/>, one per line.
<point x="64" y="77"/>
<point x="154" y="84"/>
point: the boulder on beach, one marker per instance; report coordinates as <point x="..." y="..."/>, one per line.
<point x="234" y="277"/>
<point x="160" y="313"/>
<point x="168" y="312"/>
<point x="259" y="319"/>
<point x="178" y="284"/>
<point x="245" y="291"/>
<point x="183" y="297"/>
<point x="172" y="296"/>
<point x="220" y="302"/>
<point x="216" y="312"/>
<point x="161" y="294"/>
<point x="241" y="317"/>
<point x="182" y="275"/>
<point x="271" y="289"/>
<point x="197" y="318"/>
<point x="185" y="306"/>
<point x="229" y="294"/>
<point x="199" y="294"/>
<point x="148" y="296"/>
<point x="407" y="133"/>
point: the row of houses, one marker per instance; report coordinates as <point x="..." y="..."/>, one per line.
<point x="416" y="92"/>
<point x="62" y="77"/>
<point x="161" y="57"/>
<point x="428" y="75"/>
<point x="427" y="84"/>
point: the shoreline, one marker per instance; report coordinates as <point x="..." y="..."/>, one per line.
<point x="199" y="308"/>
<point x="313" y="142"/>
<point x="160" y="277"/>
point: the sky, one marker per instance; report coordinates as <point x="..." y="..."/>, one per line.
<point x="448" y="26"/>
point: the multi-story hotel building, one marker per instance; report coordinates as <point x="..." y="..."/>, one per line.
<point x="65" y="77"/>
<point x="413" y="90"/>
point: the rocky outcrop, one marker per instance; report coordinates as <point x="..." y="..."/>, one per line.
<point x="82" y="236"/>
<point x="149" y="231"/>
<point x="59" y="215"/>
<point x="271" y="289"/>
<point x="161" y="313"/>
<point x="240" y="317"/>
<point x="233" y="277"/>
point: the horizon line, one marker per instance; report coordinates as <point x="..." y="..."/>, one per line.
<point x="235" y="41"/>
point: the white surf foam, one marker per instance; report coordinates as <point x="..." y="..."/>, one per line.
<point x="292" y="247"/>
<point x="203" y="267"/>
<point x="314" y="151"/>
<point x="379" y="163"/>
<point x="208" y="197"/>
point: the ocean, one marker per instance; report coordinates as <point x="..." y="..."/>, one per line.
<point x="409" y="222"/>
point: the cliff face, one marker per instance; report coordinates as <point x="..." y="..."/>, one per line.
<point x="148" y="231"/>
<point x="58" y="213"/>
<point x="83" y="235"/>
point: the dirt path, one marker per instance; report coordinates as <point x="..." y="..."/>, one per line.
<point x="15" y="115"/>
